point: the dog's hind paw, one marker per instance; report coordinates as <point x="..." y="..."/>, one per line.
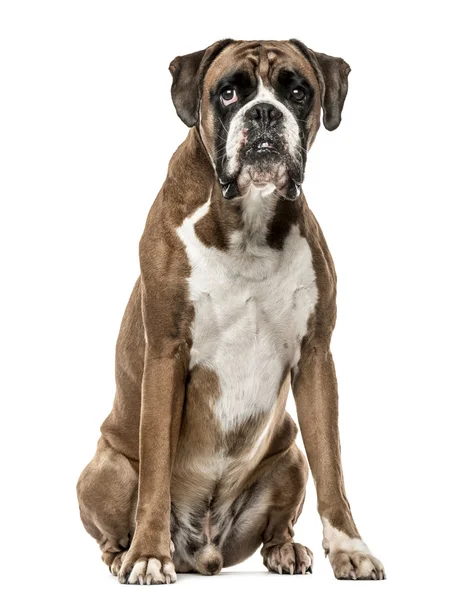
<point x="116" y="565"/>
<point x="288" y="558"/>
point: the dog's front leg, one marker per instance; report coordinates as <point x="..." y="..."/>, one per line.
<point x="316" y="397"/>
<point x="148" y="560"/>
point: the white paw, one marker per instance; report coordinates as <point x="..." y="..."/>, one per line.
<point x="350" y="558"/>
<point x="356" y="565"/>
<point x="150" y="571"/>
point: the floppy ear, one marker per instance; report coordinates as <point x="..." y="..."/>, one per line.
<point x="188" y="72"/>
<point x="332" y="74"/>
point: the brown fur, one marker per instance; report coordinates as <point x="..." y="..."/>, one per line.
<point x="134" y="492"/>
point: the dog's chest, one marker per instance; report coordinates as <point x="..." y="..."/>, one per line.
<point x="251" y="314"/>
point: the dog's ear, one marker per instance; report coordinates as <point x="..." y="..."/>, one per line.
<point x="335" y="73"/>
<point x="188" y="72"/>
<point x="332" y="74"/>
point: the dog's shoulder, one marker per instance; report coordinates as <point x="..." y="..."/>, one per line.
<point x="324" y="318"/>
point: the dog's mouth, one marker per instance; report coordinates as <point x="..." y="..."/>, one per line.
<point x="264" y="161"/>
<point x="263" y="147"/>
<point x="261" y="162"/>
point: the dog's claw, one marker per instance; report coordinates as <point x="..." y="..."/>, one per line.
<point x="356" y="565"/>
<point x="149" y="571"/>
<point x="288" y="558"/>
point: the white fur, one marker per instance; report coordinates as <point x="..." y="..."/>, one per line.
<point x="139" y="569"/>
<point x="169" y="572"/>
<point x="149" y="571"/>
<point x="235" y="133"/>
<point x="261" y="438"/>
<point x="252" y="304"/>
<point x="335" y="540"/>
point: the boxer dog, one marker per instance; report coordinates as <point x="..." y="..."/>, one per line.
<point x="197" y="464"/>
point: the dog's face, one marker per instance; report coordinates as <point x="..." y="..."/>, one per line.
<point x="257" y="106"/>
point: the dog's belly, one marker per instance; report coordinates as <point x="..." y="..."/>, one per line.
<point x="251" y="314"/>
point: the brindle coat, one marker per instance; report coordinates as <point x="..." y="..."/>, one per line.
<point x="154" y="494"/>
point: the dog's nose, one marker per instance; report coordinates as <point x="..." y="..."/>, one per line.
<point x="264" y="114"/>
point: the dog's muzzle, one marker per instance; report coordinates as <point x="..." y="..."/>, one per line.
<point x="264" y="155"/>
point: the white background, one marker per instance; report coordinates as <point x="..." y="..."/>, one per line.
<point x="87" y="129"/>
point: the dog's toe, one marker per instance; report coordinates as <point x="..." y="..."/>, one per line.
<point x="149" y="571"/>
<point x="356" y="565"/>
<point x="290" y="558"/>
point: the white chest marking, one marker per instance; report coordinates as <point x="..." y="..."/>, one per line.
<point x="252" y="305"/>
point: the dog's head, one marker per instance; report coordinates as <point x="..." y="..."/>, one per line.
<point x="257" y="106"/>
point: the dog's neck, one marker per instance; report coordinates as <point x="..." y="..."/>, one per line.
<point x="259" y="219"/>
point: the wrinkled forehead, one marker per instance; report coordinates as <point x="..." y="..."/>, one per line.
<point x="259" y="60"/>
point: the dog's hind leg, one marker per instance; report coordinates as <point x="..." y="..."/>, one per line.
<point x="107" y="494"/>
<point x="279" y="551"/>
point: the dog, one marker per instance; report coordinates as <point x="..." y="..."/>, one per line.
<point x="197" y="465"/>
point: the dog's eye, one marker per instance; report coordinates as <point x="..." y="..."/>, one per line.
<point x="298" y="94"/>
<point x="228" y="96"/>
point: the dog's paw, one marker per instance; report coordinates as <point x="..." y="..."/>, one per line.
<point x="116" y="565"/>
<point x="350" y="558"/>
<point x="288" y="558"/>
<point x="356" y="565"/>
<point x="148" y="571"/>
